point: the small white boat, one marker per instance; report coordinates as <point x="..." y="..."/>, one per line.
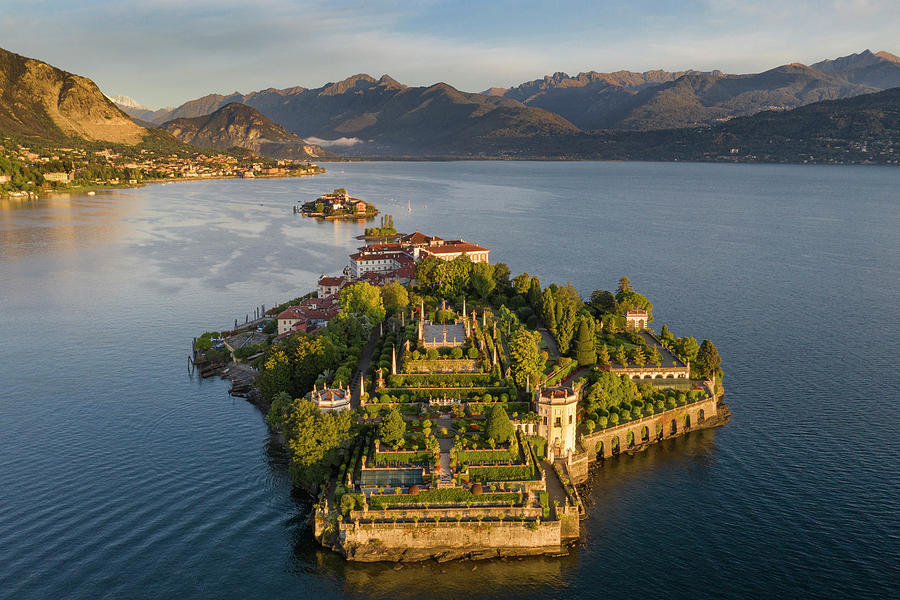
<point x="92" y="193"/>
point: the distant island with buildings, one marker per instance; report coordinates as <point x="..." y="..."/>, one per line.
<point x="339" y="204"/>
<point x="437" y="407"/>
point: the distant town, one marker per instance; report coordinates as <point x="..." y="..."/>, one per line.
<point x="27" y="170"/>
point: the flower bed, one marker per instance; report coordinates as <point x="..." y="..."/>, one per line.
<point x="439" y="496"/>
<point x="402" y="458"/>
<point x="502" y="473"/>
<point x="488" y="456"/>
<point x="418" y="380"/>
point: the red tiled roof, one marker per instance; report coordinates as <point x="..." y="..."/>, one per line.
<point x="455" y="248"/>
<point x="330" y="281"/>
<point x="637" y="312"/>
<point x="419" y="238"/>
<point x="382" y="247"/>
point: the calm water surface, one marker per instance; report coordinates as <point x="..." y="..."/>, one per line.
<point x="123" y="477"/>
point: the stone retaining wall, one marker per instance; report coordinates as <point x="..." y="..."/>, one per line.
<point x="371" y="542"/>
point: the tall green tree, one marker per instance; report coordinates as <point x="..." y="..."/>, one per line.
<point x="708" y="360"/>
<point x="393" y="428"/>
<point x="665" y="335"/>
<point x="584" y="346"/>
<point x="621" y="358"/>
<point x="603" y="355"/>
<point x="624" y="286"/>
<point x="686" y="348"/>
<point x="603" y="301"/>
<point x="521" y="283"/>
<point x="498" y="426"/>
<point x="640" y="359"/>
<point x="568" y="303"/>
<point x="482" y="279"/>
<point x="501" y="277"/>
<point x="314" y="439"/>
<point x="525" y="355"/>
<point x="365" y="299"/>
<point x="534" y="293"/>
<point x="548" y="311"/>
<point x="395" y="296"/>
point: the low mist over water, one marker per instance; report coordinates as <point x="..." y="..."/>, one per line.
<point x="123" y="477"/>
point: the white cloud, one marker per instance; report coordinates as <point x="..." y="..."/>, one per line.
<point x="342" y="142"/>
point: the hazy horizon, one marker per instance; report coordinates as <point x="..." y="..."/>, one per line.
<point x="163" y="53"/>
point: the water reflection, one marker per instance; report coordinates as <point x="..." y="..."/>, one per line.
<point x="63" y="223"/>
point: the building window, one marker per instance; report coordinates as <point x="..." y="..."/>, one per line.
<point x="558" y="422"/>
<point x="545" y="421"/>
<point x="570" y="419"/>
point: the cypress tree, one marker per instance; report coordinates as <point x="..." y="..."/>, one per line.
<point x="534" y="294"/>
<point x="548" y="311"/>
<point x="584" y="346"/>
<point x="708" y="359"/>
<point x="498" y="427"/>
<point x="603" y="355"/>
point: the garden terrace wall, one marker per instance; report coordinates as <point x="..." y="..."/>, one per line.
<point x="692" y="411"/>
<point x="446" y="514"/>
<point x="371" y="542"/>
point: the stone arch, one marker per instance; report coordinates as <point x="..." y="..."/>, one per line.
<point x="645" y="433"/>
<point x="701" y="416"/>
<point x="600" y="448"/>
<point x="658" y="376"/>
<point x="614" y="445"/>
<point x="687" y="420"/>
<point x="670" y="376"/>
<point x="659" y="429"/>
<point x="673" y="427"/>
<point x="629" y="438"/>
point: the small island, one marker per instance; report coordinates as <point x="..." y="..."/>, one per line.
<point x="339" y="204"/>
<point x="439" y="408"/>
<point x="385" y="232"/>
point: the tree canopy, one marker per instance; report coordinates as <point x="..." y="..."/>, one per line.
<point x="394" y="296"/>
<point x="393" y="428"/>
<point x="708" y="360"/>
<point x="365" y="299"/>
<point x="314" y="439"/>
<point x="524" y="351"/>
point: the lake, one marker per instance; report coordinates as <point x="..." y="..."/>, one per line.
<point x="121" y="476"/>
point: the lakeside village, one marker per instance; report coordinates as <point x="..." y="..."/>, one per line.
<point x="27" y="170"/>
<point x="439" y="408"/>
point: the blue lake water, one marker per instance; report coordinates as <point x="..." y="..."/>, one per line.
<point x="123" y="477"/>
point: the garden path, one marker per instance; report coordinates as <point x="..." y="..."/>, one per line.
<point x="552" y="350"/>
<point x="555" y="489"/>
<point x="446" y="444"/>
<point x="362" y="366"/>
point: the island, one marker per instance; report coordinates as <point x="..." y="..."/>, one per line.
<point x="436" y="407"/>
<point x="339" y="204"/>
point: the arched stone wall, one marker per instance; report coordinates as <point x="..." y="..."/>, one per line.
<point x="602" y="440"/>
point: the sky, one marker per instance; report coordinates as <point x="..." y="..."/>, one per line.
<point x="165" y="52"/>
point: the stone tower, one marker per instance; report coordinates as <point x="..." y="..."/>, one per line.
<point x="558" y="408"/>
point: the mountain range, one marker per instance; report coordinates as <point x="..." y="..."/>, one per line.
<point x="240" y="125"/>
<point x="687" y="115"/>
<point x="384" y="117"/>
